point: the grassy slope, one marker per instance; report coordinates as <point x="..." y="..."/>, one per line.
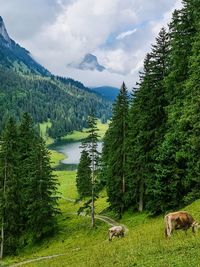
<point x="43" y="132"/>
<point x="76" y="135"/>
<point x="144" y="245"/>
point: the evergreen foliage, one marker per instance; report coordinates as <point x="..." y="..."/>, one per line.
<point x="83" y="177"/>
<point x="88" y="169"/>
<point x="9" y="193"/>
<point x="92" y="140"/>
<point x="114" y="154"/>
<point x="172" y="183"/>
<point x="42" y="200"/>
<point x="27" y="187"/>
<point x="162" y="133"/>
<point x="147" y="121"/>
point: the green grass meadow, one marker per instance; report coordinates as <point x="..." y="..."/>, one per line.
<point x="144" y="244"/>
<point x="77" y="135"/>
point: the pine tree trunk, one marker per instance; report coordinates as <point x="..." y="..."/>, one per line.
<point x="2" y="239"/>
<point x="123" y="191"/>
<point x="93" y="181"/>
<point x="123" y="184"/>
<point x="141" y="196"/>
<point x="124" y="161"/>
<point x="92" y="215"/>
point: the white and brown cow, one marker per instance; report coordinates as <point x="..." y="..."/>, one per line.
<point x="116" y="231"/>
<point x="179" y="220"/>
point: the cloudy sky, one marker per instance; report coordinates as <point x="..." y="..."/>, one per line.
<point x="60" y="32"/>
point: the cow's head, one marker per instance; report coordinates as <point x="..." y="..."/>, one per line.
<point x="195" y="226"/>
<point x="110" y="235"/>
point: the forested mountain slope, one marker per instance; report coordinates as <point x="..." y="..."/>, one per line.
<point x="107" y="92"/>
<point x="26" y="86"/>
<point x="46" y="98"/>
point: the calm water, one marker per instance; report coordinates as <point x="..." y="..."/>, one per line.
<point x="72" y="151"/>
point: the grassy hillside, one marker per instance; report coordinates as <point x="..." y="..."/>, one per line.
<point x="43" y="132"/>
<point x="80" y="135"/>
<point x="71" y="137"/>
<point x="76" y="244"/>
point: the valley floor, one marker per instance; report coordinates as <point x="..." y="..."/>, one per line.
<point x="77" y="244"/>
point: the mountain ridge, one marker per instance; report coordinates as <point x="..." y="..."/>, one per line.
<point x="12" y="55"/>
<point x="3" y="31"/>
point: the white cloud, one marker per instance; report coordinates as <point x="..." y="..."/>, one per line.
<point x="92" y="78"/>
<point x="60" y="32"/>
<point x="125" y="34"/>
<point x="25" y="19"/>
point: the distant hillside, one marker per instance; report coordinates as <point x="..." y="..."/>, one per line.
<point x="107" y="92"/>
<point x="26" y="86"/>
<point x="45" y="98"/>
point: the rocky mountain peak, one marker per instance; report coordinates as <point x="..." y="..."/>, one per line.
<point x="90" y="62"/>
<point x="3" y="31"/>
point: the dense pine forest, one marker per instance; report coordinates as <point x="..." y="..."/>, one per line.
<point x="151" y="150"/>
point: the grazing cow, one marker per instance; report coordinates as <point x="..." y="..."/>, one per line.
<point x="179" y="220"/>
<point x="116" y="231"/>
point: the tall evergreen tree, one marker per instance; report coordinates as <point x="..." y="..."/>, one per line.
<point x="115" y="154"/>
<point x="42" y="189"/>
<point x="27" y="142"/>
<point x="92" y="143"/>
<point x="147" y="122"/>
<point x="9" y="186"/>
<point x="83" y="177"/>
<point x="37" y="183"/>
<point x="88" y="168"/>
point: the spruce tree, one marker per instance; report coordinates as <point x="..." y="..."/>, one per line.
<point x="42" y="189"/>
<point x="147" y="122"/>
<point x="92" y="144"/>
<point x="83" y="177"/>
<point x="37" y="183"/>
<point x="9" y="190"/>
<point x="88" y="169"/>
<point x="27" y="142"/>
<point x="115" y="154"/>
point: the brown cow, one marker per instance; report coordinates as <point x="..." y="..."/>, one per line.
<point x="116" y="231"/>
<point x="179" y="220"/>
